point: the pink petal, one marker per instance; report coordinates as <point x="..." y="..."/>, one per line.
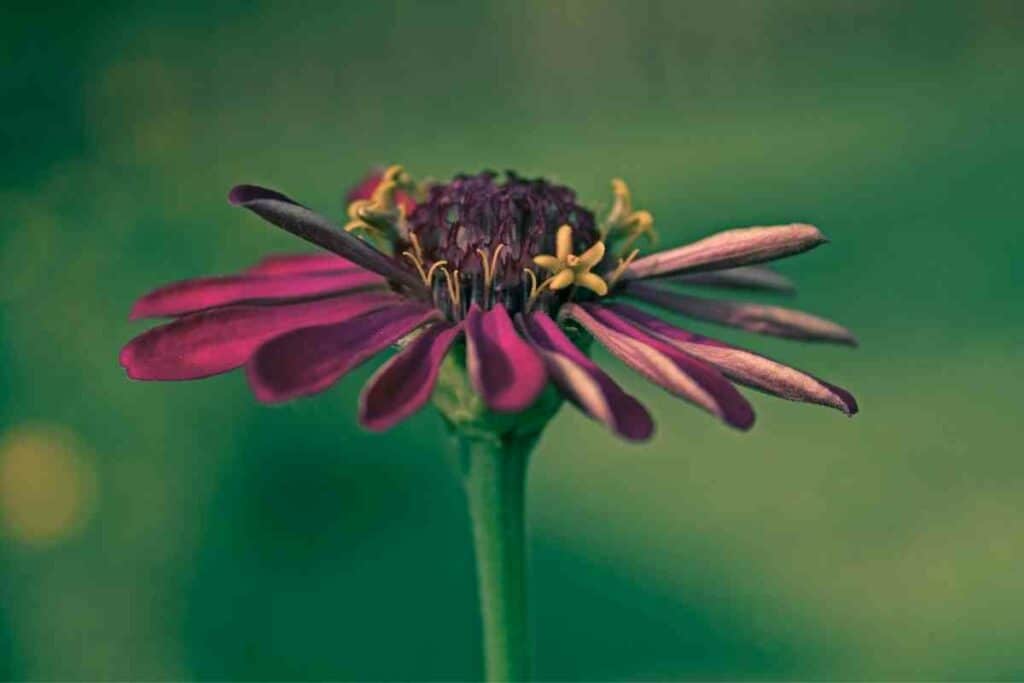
<point x="212" y="342"/>
<point x="728" y="249"/>
<point x="584" y="383"/>
<point x="202" y="293"/>
<point x="744" y="366"/>
<point x="285" y="213"/>
<point x="669" y="368"/>
<point x="503" y="368"/>
<point x="771" y="320"/>
<point x="402" y="385"/>
<point x="309" y="360"/>
<point x="301" y="264"/>
<point x="744" y="277"/>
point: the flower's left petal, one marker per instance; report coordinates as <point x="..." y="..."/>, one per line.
<point x="728" y="249"/>
<point x="212" y="342"/>
<point x="404" y="384"/>
<point x="547" y="262"/>
<point x="584" y="383"/>
<point x="771" y="320"/>
<point x="301" y="264"/>
<point x="746" y="367"/>
<point x="744" y="277"/>
<point x="285" y="213"/>
<point x="669" y="368"/>
<point x="503" y="368"/>
<point x="200" y="294"/>
<point x="309" y="360"/>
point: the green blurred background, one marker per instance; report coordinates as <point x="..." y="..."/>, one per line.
<point x="182" y="531"/>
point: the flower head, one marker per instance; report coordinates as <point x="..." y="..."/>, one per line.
<point x="511" y="277"/>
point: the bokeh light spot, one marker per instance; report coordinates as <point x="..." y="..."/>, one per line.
<point x="47" y="484"/>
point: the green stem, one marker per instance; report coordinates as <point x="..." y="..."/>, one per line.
<point x="495" y="479"/>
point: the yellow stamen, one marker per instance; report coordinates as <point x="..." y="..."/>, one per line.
<point x="419" y="265"/>
<point x="621" y="268"/>
<point x="533" y="282"/>
<point x="430" y="273"/>
<point x="494" y="258"/>
<point x="486" y="266"/>
<point x="416" y="245"/>
<point x="453" y="287"/>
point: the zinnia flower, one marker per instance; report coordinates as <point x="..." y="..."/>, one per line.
<point x="514" y="276"/>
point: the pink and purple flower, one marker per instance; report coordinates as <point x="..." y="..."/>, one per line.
<point x="512" y="274"/>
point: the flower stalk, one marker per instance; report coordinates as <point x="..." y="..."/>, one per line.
<point x="494" y="475"/>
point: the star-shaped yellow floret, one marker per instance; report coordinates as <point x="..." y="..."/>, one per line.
<point x="568" y="269"/>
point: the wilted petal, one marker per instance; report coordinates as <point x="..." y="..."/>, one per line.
<point x="299" y="264"/>
<point x="203" y="293"/>
<point x="287" y="214"/>
<point x="744" y="277"/>
<point x="771" y="320"/>
<point x="503" y="368"/>
<point x="744" y="366"/>
<point x="739" y="247"/>
<point x="309" y="360"/>
<point x="666" y="366"/>
<point x="584" y="383"/>
<point x="401" y="387"/>
<point x="212" y="342"/>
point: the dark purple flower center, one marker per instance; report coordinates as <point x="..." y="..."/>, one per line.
<point x="463" y="221"/>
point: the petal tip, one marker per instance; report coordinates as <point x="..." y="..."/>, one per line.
<point x="742" y="418"/>
<point x="240" y="194"/>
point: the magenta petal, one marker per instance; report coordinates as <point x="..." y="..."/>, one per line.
<point x="744" y="366"/>
<point x="771" y="320"/>
<point x="309" y="360"/>
<point x="728" y="249"/>
<point x="744" y="277"/>
<point x="202" y="293"/>
<point x="212" y="342"/>
<point x="301" y="264"/>
<point x="584" y="383"/>
<point x="291" y="216"/>
<point x="669" y="368"/>
<point x="403" y="384"/>
<point x="503" y="368"/>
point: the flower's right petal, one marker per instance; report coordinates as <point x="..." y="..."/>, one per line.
<point x="403" y="384"/>
<point x="212" y="342"/>
<point x="285" y="213"/>
<point x="584" y="383"/>
<point x="301" y="264"/>
<point x="744" y="277"/>
<point x="505" y="370"/>
<point x="309" y="360"/>
<point x="200" y="294"/>
<point x="728" y="249"/>
<point x="746" y="367"/>
<point x="669" y="368"/>
<point x="771" y="320"/>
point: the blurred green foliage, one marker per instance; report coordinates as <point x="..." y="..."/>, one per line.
<point x="181" y="531"/>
